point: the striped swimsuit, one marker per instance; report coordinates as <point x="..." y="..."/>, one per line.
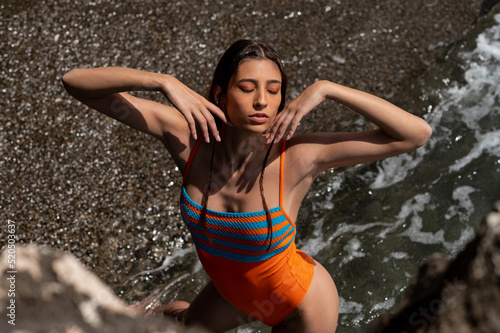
<point x="265" y="283"/>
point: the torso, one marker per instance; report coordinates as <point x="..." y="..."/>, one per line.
<point x="240" y="191"/>
<point x="233" y="191"/>
<point x="235" y="252"/>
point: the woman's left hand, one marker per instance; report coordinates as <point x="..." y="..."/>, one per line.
<point x="291" y="115"/>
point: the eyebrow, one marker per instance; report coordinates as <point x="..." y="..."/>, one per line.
<point x="255" y="81"/>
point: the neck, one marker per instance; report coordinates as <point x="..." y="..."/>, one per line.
<point x="242" y="143"/>
<point x="240" y="148"/>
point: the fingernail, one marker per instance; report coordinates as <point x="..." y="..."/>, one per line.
<point x="269" y="141"/>
<point x="217" y="137"/>
<point x="195" y="136"/>
<point x="207" y="139"/>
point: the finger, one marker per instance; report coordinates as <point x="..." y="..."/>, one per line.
<point x="203" y="125"/>
<point x="271" y="131"/>
<point x="219" y="113"/>
<point x="293" y="127"/>
<point x="206" y="105"/>
<point x="212" y="126"/>
<point x="192" y="126"/>
<point x="281" y="130"/>
<point x="281" y="123"/>
<point x="294" y="124"/>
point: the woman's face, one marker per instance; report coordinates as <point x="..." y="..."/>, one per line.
<point x="254" y="95"/>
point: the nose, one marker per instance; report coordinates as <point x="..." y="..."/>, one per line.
<point x="260" y="99"/>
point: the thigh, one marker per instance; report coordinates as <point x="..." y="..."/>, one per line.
<point x="210" y="310"/>
<point x="319" y="311"/>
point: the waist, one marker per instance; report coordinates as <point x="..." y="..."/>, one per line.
<point x="279" y="284"/>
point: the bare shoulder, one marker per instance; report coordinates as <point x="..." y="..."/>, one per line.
<point x="161" y="121"/>
<point x="300" y="157"/>
<point x="307" y="148"/>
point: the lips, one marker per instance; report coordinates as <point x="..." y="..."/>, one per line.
<point x="258" y="117"/>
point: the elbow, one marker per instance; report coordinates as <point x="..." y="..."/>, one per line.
<point x="70" y="76"/>
<point x="70" y="79"/>
<point x="67" y="79"/>
<point x="423" y="134"/>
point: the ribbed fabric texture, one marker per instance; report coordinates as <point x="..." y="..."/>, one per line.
<point x="241" y="237"/>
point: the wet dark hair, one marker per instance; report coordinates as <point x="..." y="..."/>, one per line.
<point x="232" y="58"/>
<point x="226" y="68"/>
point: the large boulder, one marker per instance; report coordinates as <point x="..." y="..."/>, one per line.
<point x="459" y="295"/>
<point x="44" y="290"/>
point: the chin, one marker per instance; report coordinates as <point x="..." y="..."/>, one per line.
<point x="252" y="128"/>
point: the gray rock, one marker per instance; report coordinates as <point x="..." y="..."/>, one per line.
<point x="459" y="295"/>
<point x="49" y="291"/>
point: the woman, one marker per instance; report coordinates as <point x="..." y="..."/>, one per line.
<point x="247" y="248"/>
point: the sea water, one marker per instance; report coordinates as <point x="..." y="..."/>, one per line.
<point x="372" y="225"/>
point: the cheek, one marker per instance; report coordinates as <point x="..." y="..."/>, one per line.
<point x="277" y="103"/>
<point x="234" y="106"/>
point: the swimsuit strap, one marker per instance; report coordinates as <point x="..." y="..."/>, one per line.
<point x="188" y="164"/>
<point x="282" y="181"/>
<point x="282" y="172"/>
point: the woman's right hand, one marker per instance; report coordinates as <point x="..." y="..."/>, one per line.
<point x="194" y="107"/>
<point x="106" y="90"/>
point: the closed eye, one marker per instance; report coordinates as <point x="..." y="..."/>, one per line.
<point x="274" y="88"/>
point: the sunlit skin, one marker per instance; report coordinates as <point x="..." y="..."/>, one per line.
<point x="254" y="95"/>
<point x="250" y="123"/>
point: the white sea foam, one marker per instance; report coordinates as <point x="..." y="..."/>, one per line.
<point x="414" y="207"/>
<point x="411" y="207"/>
<point x="487" y="143"/>
<point x="395" y="169"/>
<point x="474" y="101"/>
<point x="353" y="250"/>
<point x="415" y="233"/>
<point x="488" y="43"/>
<point x="481" y="95"/>
<point x="177" y="255"/>
<point x="387" y="304"/>
<point x="349" y="306"/>
<point x="396" y="255"/>
<point x="465" y="206"/>
<point x="314" y="245"/>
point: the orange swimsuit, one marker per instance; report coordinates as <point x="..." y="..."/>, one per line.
<point x="265" y="283"/>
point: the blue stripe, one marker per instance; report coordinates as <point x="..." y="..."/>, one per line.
<point x="241" y="257"/>
<point x="245" y="247"/>
<point x="247" y="225"/>
<point x="236" y="225"/>
<point x="242" y="232"/>
<point x="237" y="235"/>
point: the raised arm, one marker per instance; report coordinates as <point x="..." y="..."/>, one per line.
<point x="104" y="89"/>
<point x="398" y="131"/>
